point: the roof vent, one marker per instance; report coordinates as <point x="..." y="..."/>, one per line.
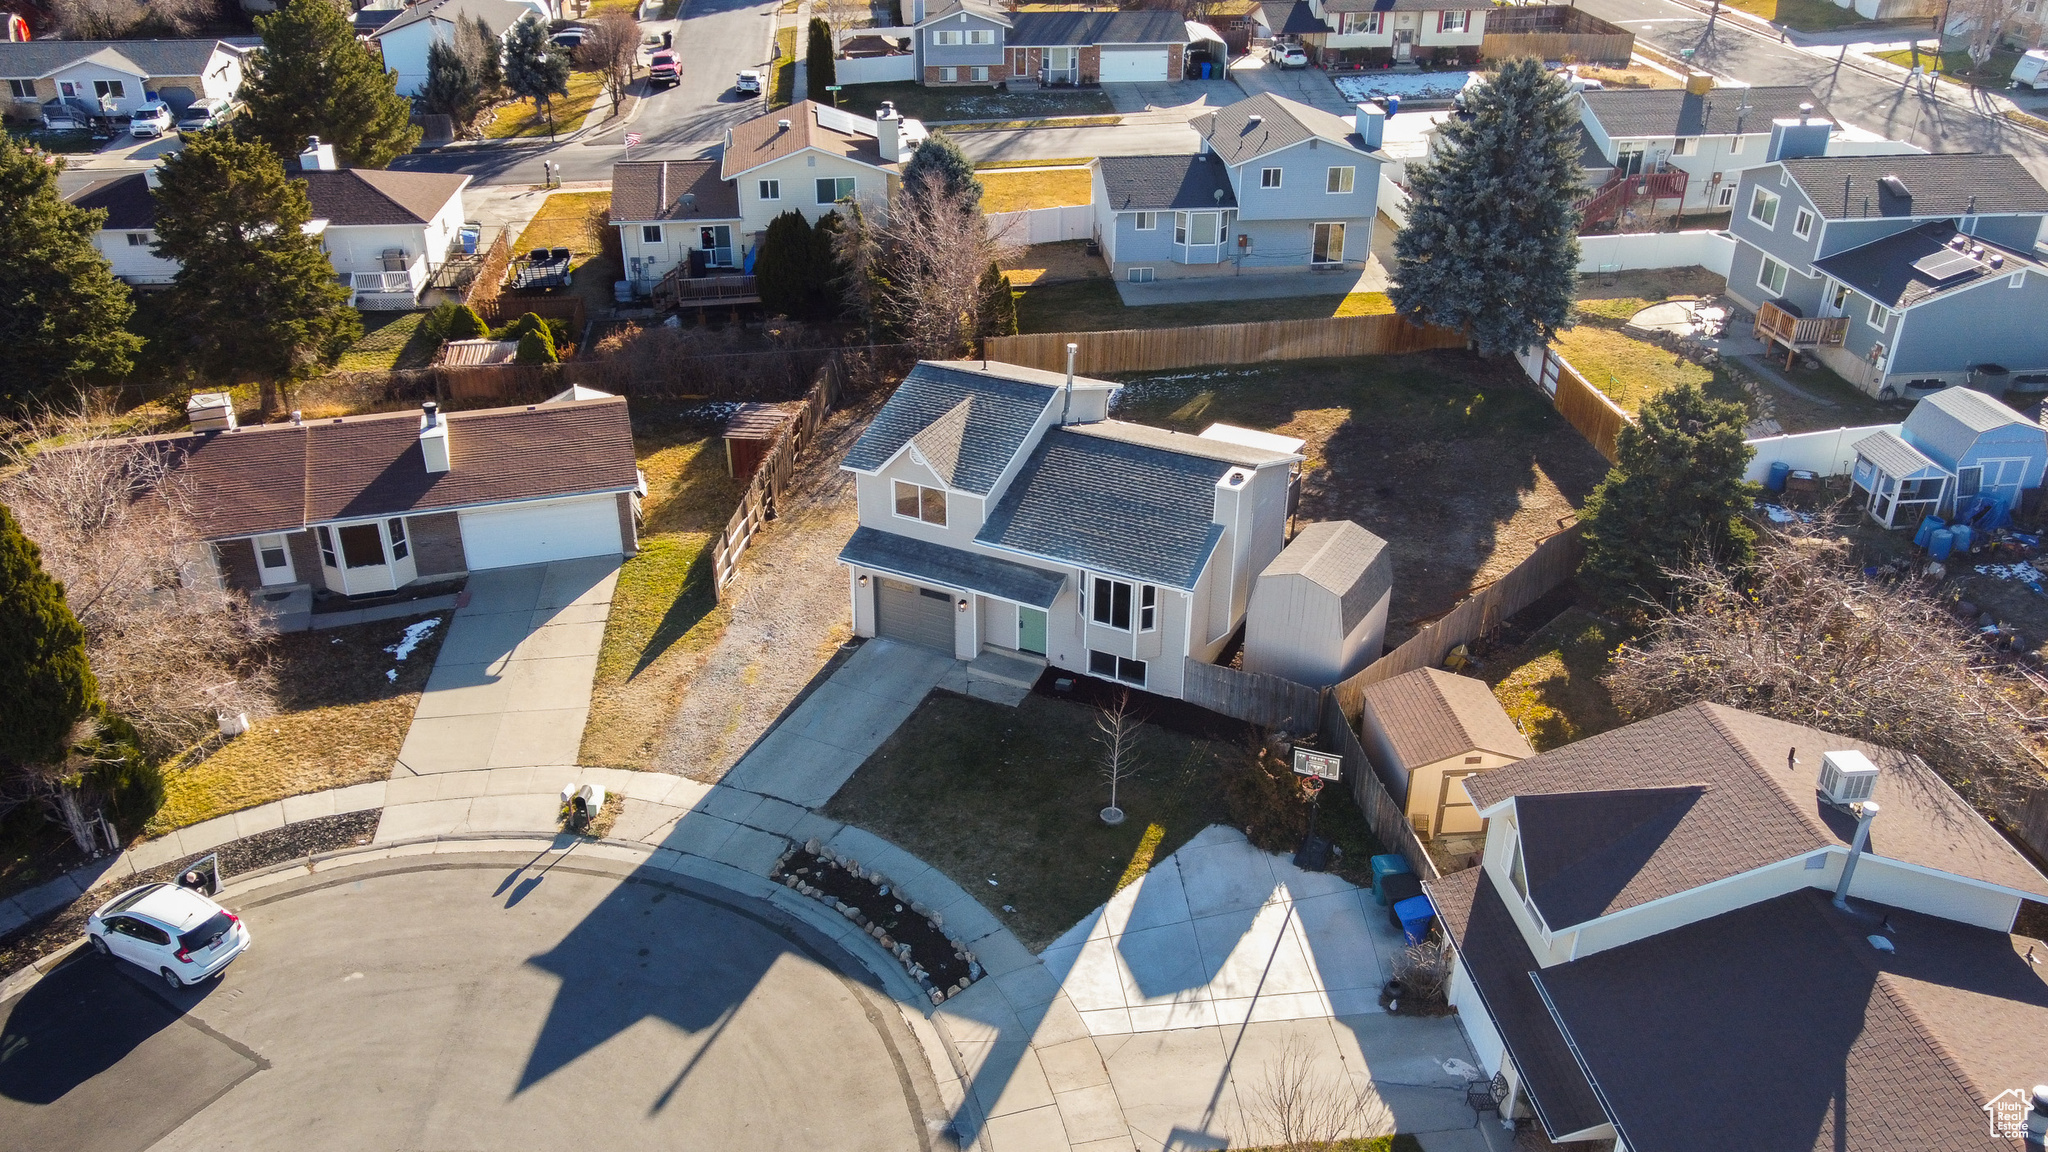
<point x="782" y="124"/>
<point x="1977" y="251"/>
<point x="1895" y="186"/>
<point x="211" y="412"/>
<point x="1846" y="778"/>
<point x="1254" y="120"/>
<point x="1959" y="242"/>
<point x="1997" y="260"/>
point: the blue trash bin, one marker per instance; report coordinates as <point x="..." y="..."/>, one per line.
<point x="1416" y="912"/>
<point x="1391" y="864"/>
<point x="1205" y="69"/>
<point x="1775" y="481"/>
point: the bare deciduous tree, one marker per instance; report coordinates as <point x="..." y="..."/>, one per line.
<point x="171" y="649"/>
<point x="1808" y="638"/>
<point x="1425" y="970"/>
<point x="937" y="245"/>
<point x="611" y="47"/>
<point x="98" y="19"/>
<point x="1302" y="1105"/>
<point x="1986" y="23"/>
<point x="182" y="17"/>
<point x="1116" y="729"/>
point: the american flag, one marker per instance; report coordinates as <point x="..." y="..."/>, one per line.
<point x="632" y="139"/>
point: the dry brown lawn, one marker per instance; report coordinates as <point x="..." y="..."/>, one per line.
<point x="1045" y="188"/>
<point x="341" y="719"/>
<point x="1054" y="264"/>
<point x="572" y="220"/>
<point x="1633" y="76"/>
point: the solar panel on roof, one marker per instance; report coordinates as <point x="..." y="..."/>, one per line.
<point x="840" y="120"/>
<point x="1944" y="265"/>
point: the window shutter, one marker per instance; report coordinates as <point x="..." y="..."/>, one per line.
<point x="1439" y="20"/>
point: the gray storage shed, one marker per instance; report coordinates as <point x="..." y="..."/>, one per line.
<point x="1318" y="612"/>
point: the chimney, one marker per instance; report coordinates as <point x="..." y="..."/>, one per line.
<point x="1699" y="83"/>
<point x="1865" y="813"/>
<point x="1792" y="139"/>
<point x="317" y="157"/>
<point x="1067" y="397"/>
<point x="1372" y="125"/>
<point x="433" y="437"/>
<point x="889" y="132"/>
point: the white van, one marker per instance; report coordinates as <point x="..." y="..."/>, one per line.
<point x="2031" y="71"/>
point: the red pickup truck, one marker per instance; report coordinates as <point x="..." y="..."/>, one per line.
<point x="662" y="71"/>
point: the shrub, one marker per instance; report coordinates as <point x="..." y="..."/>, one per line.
<point x="462" y="323"/>
<point x="537" y="346"/>
<point x="1264" y="798"/>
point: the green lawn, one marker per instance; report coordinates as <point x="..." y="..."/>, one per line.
<point x="782" y="82"/>
<point x="1803" y="15"/>
<point x="391" y="340"/>
<point x="1628" y="370"/>
<point x="938" y="104"/>
<point x="1094" y="306"/>
<point x="1957" y="68"/>
<point x="521" y="120"/>
<point x="1550" y="683"/>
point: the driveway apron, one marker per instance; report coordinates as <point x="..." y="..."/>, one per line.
<point x="511" y="687"/>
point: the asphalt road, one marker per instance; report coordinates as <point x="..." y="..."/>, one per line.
<point x="1880" y="104"/>
<point x="472" y="1002"/>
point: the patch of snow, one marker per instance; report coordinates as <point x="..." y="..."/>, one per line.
<point x="414" y="633"/>
<point x="1459" y="1069"/>
<point x="1406" y="85"/>
<point x="391" y="674"/>
<point x="1782" y="515"/>
<point x="2024" y="572"/>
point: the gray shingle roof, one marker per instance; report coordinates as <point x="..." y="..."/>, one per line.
<point x="1430" y="715"/>
<point x="951" y="568"/>
<point x="1898" y="458"/>
<point x="37" y="58"/>
<point x="1632" y="112"/>
<point x="1949" y="422"/>
<point x="1112" y="506"/>
<point x="1291" y="18"/>
<point x="1938" y="184"/>
<point x="653" y="190"/>
<point x="1394" y="5"/>
<point x="1003" y="403"/>
<point x="1158" y="183"/>
<point x="1055" y="29"/>
<point x="1883" y="269"/>
<point x="125" y="200"/>
<point x="1344" y="560"/>
<point x="1283" y="123"/>
<point x="498" y="15"/>
<point x="972" y="7"/>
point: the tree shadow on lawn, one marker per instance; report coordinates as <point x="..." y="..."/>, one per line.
<point x="694" y="600"/>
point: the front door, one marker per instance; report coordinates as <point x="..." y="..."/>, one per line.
<point x="1031" y="630"/>
<point x="1329" y="244"/>
<point x="1404" y="44"/>
<point x="716" y="241"/>
<point x="274" y="561"/>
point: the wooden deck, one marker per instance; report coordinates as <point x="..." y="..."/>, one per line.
<point x="1776" y="326"/>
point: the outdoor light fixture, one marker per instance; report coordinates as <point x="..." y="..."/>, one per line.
<point x="863" y="580"/>
<point x="963" y="603"/>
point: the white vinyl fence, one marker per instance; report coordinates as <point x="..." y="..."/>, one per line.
<point x="1714" y="251"/>
<point x="874" y="69"/>
<point x="1043" y="225"/>
<point x="1830" y="453"/>
<point x="1393" y="200"/>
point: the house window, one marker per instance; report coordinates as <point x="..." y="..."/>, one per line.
<point x="650" y="233"/>
<point x="834" y="189"/>
<point x="978" y="73"/>
<point x="106" y="88"/>
<point x="400" y="549"/>
<point x="1763" y="208"/>
<point x="1340" y="179"/>
<point x="771" y="189"/>
<point x="271" y="553"/>
<point x="1356" y="23"/>
<point x="1450" y="21"/>
<point x="1771" y="277"/>
<point x="1116" y="667"/>
<point x="362" y="546"/>
<point x="1686" y="146"/>
<point x="981" y="36"/>
<point x="1879" y="316"/>
<point x="1148" y="608"/>
<point x="1727" y="196"/>
<point x="327" y="548"/>
<point x="1197" y="227"/>
<point x="916" y="502"/>
<point x="67" y="89"/>
<point x="1146" y="221"/>
<point x="1269" y="177"/>
<point x="1111" y="604"/>
<point x="1839" y="298"/>
<point x="138" y="239"/>
<point x="715" y="240"/>
<point x="949" y="75"/>
<point x="1735" y="145"/>
<point x="1802" y="224"/>
<point x="22" y="89"/>
<point x="1138" y="275"/>
<point x="947" y="36"/>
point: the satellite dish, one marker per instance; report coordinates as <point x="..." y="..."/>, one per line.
<point x="689" y="201"/>
<point x="1218" y="194"/>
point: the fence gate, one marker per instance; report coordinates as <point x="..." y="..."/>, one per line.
<point x="1548" y="376"/>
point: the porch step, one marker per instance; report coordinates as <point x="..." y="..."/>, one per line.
<point x="1017" y="669"/>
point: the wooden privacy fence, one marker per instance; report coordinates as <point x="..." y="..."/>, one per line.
<point x="764" y="376"/>
<point x="1584" y="407"/>
<point x="1254" y="697"/>
<point x="1552" y="32"/>
<point x="499" y="311"/>
<point x="1389" y="822"/>
<point x="1144" y="349"/>
<point x="771" y="477"/>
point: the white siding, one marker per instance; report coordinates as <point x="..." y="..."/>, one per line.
<point x="678" y="239"/>
<point x="135" y="263"/>
<point x="798" y="178"/>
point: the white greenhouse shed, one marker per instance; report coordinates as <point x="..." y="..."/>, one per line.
<point x="1318" y="612"/>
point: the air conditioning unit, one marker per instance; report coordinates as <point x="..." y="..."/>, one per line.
<point x="1847" y="778"/>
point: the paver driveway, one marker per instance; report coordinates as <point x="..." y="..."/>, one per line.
<point x="511" y="687"/>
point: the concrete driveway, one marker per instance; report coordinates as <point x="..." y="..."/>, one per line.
<point x="1212" y="93"/>
<point x="1310" y="86"/>
<point x="511" y="686"/>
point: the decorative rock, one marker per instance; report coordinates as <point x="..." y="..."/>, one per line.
<point x="974" y="970"/>
<point x="887" y="941"/>
<point x="937" y="920"/>
<point x="938" y="997"/>
<point x="812" y="846"/>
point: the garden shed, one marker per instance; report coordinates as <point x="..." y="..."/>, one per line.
<point x="1989" y="449"/>
<point x="1318" y="612"/>
<point x="749" y="433"/>
<point x="1425" y="732"/>
<point x="1899" y="483"/>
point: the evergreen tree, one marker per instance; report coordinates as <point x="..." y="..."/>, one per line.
<point x="1491" y="245"/>
<point x="451" y="87"/>
<point x="50" y="685"/>
<point x="536" y="346"/>
<point x="312" y="77"/>
<point x="62" y="313"/>
<point x="255" y="298"/>
<point x="465" y="324"/>
<point x="998" y="303"/>
<point x="826" y="274"/>
<point x="1675" y="492"/>
<point x="940" y="166"/>
<point x="534" y="69"/>
<point x="860" y="278"/>
<point x="785" y="270"/>
<point x="819" y="70"/>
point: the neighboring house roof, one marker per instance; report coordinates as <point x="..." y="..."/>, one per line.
<point x="1592" y="157"/>
<point x="1282" y="123"/>
<point x="763" y="140"/>
<point x="1951" y="420"/>
<point x="498" y="15"/>
<point x="1430" y="715"/>
<point x="1497" y="960"/>
<point x="653" y="190"/>
<point x="1120" y="498"/>
<point x="860" y="47"/>
<point x="1897" y="271"/>
<point x="1157" y="183"/>
<point x="1898" y="458"/>
<point x="1710" y="795"/>
<point x="368" y="20"/>
<point x="1780" y="1025"/>
<point x="1400" y="6"/>
<point x="932" y="563"/>
<point x="125" y="199"/>
<point x="350" y="197"/>
<point x="973" y="8"/>
<point x="1004" y="406"/>
<point x="1291" y="18"/>
<point x="1937" y="184"/>
<point x="1057" y="29"/>
<point x="1633" y="112"/>
<point x="1344" y="560"/>
<point x="277" y="477"/>
<point x="35" y="59"/>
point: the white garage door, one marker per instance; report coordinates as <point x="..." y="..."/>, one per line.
<point x="914" y="615"/>
<point x="541" y="530"/>
<point x="1133" y="65"/>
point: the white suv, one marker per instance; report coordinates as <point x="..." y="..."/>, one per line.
<point x="152" y="119"/>
<point x="171" y="931"/>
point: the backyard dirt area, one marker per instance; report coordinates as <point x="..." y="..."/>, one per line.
<point x="1550" y="682"/>
<point x="1456" y="461"/>
<point x="783" y="615"/>
<point x="1059" y="263"/>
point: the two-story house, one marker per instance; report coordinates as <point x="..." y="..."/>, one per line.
<point x="1380" y="32"/>
<point x="1715" y="930"/>
<point x="115" y="77"/>
<point x="974" y="42"/>
<point x="385" y="232"/>
<point x="1001" y="508"/>
<point x="1898" y="272"/>
<point x="675" y="213"/>
<point x="810" y="159"/>
<point x="1277" y="187"/>
<point x="404" y="40"/>
<point x="1701" y="135"/>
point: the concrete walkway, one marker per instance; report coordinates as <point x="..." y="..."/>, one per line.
<point x="511" y="686"/>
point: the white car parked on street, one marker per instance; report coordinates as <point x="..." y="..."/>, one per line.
<point x="173" y="932"/>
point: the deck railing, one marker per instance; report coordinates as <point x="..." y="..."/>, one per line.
<point x="1780" y="326"/>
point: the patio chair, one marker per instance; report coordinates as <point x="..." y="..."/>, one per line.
<point x="558" y="254"/>
<point x="1483" y="1096"/>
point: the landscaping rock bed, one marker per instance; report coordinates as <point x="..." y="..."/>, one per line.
<point x="942" y="966"/>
